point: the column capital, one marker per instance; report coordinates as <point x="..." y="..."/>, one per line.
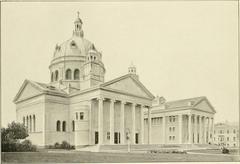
<point x="112" y="100"/>
<point x="100" y="98"/>
<point x="123" y="102"/>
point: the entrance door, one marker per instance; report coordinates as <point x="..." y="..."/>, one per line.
<point x="116" y="138"/>
<point x="96" y="137"/>
<point x="136" y="138"/>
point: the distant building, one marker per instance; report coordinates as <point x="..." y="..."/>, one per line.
<point x="226" y="134"/>
<point x="187" y="121"/>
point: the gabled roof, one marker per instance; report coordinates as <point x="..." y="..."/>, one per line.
<point x="40" y="88"/>
<point x="190" y="103"/>
<point x="118" y="84"/>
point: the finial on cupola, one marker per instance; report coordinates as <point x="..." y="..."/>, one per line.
<point x="78" y="26"/>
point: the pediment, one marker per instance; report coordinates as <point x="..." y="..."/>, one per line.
<point x="130" y="85"/>
<point x="205" y="106"/>
<point x="27" y="90"/>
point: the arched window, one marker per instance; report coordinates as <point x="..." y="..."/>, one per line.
<point x="30" y="123"/>
<point x="58" y="128"/>
<point x="76" y="74"/>
<point x="68" y="75"/>
<point x="34" y="123"/>
<point x="56" y="75"/>
<point x="64" y="126"/>
<point x="27" y="124"/>
<point x="52" y="77"/>
<point x="24" y="121"/>
<point x="73" y="125"/>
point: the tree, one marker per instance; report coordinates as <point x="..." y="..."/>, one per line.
<point x="14" y="131"/>
<point x="11" y="137"/>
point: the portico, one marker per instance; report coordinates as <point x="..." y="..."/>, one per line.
<point x="115" y="119"/>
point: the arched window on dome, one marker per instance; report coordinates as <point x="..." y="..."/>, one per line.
<point x="56" y="75"/>
<point x="76" y="74"/>
<point x="68" y="74"/>
<point x="52" y="77"/>
<point x="58" y="127"/>
<point x="64" y="126"/>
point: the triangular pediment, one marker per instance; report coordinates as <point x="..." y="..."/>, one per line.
<point x="27" y="90"/>
<point x="129" y="84"/>
<point x="205" y="106"/>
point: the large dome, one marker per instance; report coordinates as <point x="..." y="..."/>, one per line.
<point x="75" y="46"/>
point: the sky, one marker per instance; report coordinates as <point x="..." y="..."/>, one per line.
<point x="180" y="49"/>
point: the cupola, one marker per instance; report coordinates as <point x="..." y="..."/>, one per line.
<point x="78" y="26"/>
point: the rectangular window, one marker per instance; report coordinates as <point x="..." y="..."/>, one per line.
<point x="170" y="119"/>
<point x="81" y="115"/>
<point x="234" y="138"/>
<point x="170" y="138"/>
<point x="173" y="137"/>
<point x="227" y="138"/>
<point x="173" y="128"/>
<point x="170" y="129"/>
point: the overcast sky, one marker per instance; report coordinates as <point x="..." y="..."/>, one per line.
<point x="181" y="49"/>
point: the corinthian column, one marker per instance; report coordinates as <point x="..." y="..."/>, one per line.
<point x="189" y="129"/>
<point x="133" y="123"/>
<point x="142" y="124"/>
<point x="100" y="121"/>
<point x="122" y="128"/>
<point x="111" y="122"/>
<point x="149" y="125"/>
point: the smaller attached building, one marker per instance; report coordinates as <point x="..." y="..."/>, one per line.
<point x="187" y="121"/>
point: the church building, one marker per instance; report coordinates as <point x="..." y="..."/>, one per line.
<point x="79" y="107"/>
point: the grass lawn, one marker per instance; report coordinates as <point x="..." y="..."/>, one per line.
<point x="73" y="156"/>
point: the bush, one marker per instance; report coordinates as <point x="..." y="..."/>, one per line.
<point x="63" y="145"/>
<point x="225" y="150"/>
<point x="24" y="146"/>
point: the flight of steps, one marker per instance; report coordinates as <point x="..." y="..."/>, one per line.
<point x="136" y="148"/>
<point x="147" y="148"/>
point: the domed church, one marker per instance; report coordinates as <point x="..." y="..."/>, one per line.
<point x="78" y="106"/>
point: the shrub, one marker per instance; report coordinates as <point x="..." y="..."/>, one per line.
<point x="63" y="145"/>
<point x="225" y="150"/>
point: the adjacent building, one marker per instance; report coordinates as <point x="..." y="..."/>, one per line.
<point x="187" y="121"/>
<point x="226" y="134"/>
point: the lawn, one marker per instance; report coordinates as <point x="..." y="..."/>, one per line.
<point x="73" y="156"/>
